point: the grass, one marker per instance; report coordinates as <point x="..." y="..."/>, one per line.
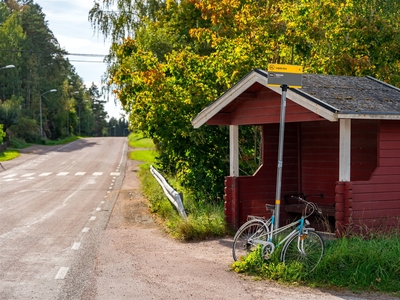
<point x="8" y="155"/>
<point x="17" y="143"/>
<point x="147" y="156"/>
<point x="204" y="220"/>
<point x="356" y="263"/>
<point x="21" y="144"/>
<point x="60" y="141"/>
<point x="139" y="141"/>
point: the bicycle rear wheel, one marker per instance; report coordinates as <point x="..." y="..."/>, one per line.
<point x="244" y="240"/>
<point x="307" y="249"/>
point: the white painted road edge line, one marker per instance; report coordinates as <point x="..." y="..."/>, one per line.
<point x="62" y="273"/>
<point x="76" y="246"/>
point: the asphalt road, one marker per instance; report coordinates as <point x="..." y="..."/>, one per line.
<point x="54" y="205"/>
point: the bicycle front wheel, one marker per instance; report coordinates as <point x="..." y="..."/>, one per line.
<point x="307" y="249"/>
<point x="245" y="238"/>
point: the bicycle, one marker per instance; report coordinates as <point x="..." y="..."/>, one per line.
<point x="302" y="244"/>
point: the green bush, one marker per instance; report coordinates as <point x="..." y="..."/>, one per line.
<point x="204" y="220"/>
<point x="26" y="129"/>
<point x="8" y="155"/>
<point x="2" y="134"/>
<point x="355" y="263"/>
<point x="18" y="143"/>
<point x="362" y="264"/>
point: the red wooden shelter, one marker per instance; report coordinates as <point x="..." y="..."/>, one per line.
<point x="342" y="140"/>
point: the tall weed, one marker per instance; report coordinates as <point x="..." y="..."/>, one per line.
<point x="204" y="220"/>
<point x="355" y="262"/>
<point x="362" y="264"/>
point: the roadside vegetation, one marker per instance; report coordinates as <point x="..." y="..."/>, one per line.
<point x="359" y="263"/>
<point x="57" y="105"/>
<point x="16" y="143"/>
<point x="65" y="140"/>
<point x="8" y="155"/>
<point x="205" y="220"/>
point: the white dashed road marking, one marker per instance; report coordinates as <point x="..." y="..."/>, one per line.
<point x="45" y="174"/>
<point x="28" y="175"/>
<point x="76" y="246"/>
<point x="62" y="273"/>
<point x="10" y="176"/>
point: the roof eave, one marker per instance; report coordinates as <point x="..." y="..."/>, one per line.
<point x="207" y="113"/>
<point x="313" y="104"/>
<point x="369" y="115"/>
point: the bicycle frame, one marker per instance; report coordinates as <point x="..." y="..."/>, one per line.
<point x="271" y="233"/>
<point x="261" y="231"/>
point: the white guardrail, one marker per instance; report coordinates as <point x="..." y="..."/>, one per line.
<point x="172" y="195"/>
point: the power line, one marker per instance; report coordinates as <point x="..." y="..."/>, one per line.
<point x="89" y="61"/>
<point x="86" y="54"/>
<point x="67" y="54"/>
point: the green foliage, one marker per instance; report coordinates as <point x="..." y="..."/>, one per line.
<point x="143" y="155"/>
<point x="61" y="141"/>
<point x="362" y="264"/>
<point x="204" y="220"/>
<point x="356" y="263"/>
<point x="40" y="65"/>
<point x="8" y="155"/>
<point x="139" y="141"/>
<point x="26" y="129"/>
<point x="2" y="134"/>
<point x="254" y="264"/>
<point x="17" y="143"/>
<point x="9" y="112"/>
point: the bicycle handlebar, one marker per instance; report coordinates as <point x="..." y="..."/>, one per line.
<point x="309" y="205"/>
<point x="299" y="199"/>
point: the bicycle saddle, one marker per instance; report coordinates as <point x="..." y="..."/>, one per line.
<point x="270" y="206"/>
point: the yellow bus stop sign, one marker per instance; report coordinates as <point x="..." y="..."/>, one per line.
<point x="279" y="74"/>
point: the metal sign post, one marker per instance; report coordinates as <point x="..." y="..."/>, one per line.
<point x="280" y="156"/>
<point x="283" y="76"/>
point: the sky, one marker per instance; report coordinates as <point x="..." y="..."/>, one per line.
<point x="68" y="20"/>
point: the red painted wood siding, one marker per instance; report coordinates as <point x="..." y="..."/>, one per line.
<point x="320" y="155"/>
<point x="264" y="109"/>
<point x="255" y="191"/>
<point x="320" y="159"/>
<point x="364" y="148"/>
<point x="376" y="202"/>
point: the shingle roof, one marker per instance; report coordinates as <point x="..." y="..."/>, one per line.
<point x="332" y="97"/>
<point x="349" y="94"/>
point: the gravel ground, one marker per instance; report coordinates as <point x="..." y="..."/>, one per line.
<point x="137" y="260"/>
